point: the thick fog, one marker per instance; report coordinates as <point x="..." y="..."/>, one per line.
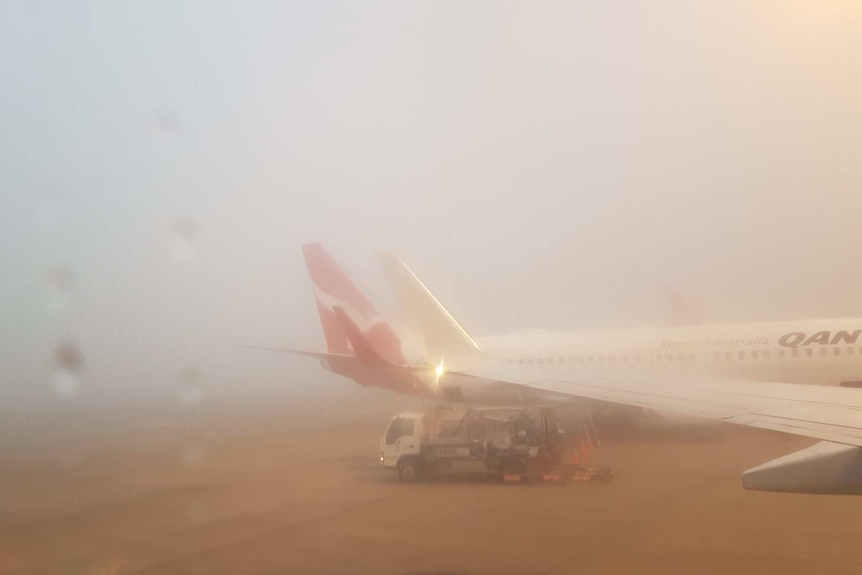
<point x="558" y="165"/>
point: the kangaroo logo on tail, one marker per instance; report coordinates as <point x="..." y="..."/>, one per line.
<point x="334" y="289"/>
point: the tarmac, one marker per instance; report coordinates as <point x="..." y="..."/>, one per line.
<point x="274" y="489"/>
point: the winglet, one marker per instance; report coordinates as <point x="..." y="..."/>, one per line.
<point x="445" y="340"/>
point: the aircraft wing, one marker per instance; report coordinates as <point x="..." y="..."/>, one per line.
<point x="828" y="413"/>
<point x="831" y="414"/>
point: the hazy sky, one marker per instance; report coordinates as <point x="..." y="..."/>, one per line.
<point x="546" y="165"/>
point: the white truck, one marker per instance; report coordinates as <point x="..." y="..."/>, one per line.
<point x="513" y="443"/>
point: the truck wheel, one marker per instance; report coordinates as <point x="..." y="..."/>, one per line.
<point x="408" y="470"/>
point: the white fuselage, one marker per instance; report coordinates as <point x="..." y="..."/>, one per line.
<point x="825" y="352"/>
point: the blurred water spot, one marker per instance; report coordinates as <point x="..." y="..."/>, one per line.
<point x="194" y="453"/>
<point x="68" y="367"/>
<point x="182" y="243"/>
<point x="168" y="121"/>
<point x="190" y="390"/>
<point x="61" y="282"/>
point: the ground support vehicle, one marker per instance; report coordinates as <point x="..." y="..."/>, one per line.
<point x="517" y="444"/>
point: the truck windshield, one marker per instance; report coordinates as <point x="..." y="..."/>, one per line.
<point x="398" y="428"/>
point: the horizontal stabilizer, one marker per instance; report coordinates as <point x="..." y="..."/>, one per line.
<point x="314" y="354"/>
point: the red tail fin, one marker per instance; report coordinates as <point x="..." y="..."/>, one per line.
<point x="333" y="288"/>
<point x="365" y="351"/>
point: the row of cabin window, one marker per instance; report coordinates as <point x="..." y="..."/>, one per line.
<point x="782" y="353"/>
<point x="580" y="359"/>
<point x="717" y="355"/>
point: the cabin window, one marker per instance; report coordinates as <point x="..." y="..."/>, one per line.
<point x="680" y="356"/>
<point x="658" y="357"/>
<point x="766" y="354"/>
<point x="824" y="351"/>
<point x="754" y="354"/>
<point x="550" y="361"/>
<point x="836" y="351"/>
<point x="849" y="351"/>
<point x="591" y="359"/>
<point x="741" y="355"/>
<point x="541" y="361"/>
<point x="613" y="359"/>
<point x="638" y="358"/>
<point x="529" y="361"/>
<point x="691" y="356"/>
<point x="624" y="358"/>
<point x="716" y="355"/>
<point x="794" y="352"/>
<point x="780" y="353"/>
<point x="809" y="352"/>
<point x="728" y="355"/>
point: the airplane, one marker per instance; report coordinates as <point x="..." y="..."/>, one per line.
<point x="714" y="372"/>
<point x="758" y="375"/>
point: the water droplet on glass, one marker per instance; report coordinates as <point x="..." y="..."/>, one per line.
<point x="182" y="243"/>
<point x="68" y="366"/>
<point x="61" y="282"/>
<point x="190" y="389"/>
<point x="168" y="121"/>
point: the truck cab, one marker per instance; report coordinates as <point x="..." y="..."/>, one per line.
<point x="401" y="445"/>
